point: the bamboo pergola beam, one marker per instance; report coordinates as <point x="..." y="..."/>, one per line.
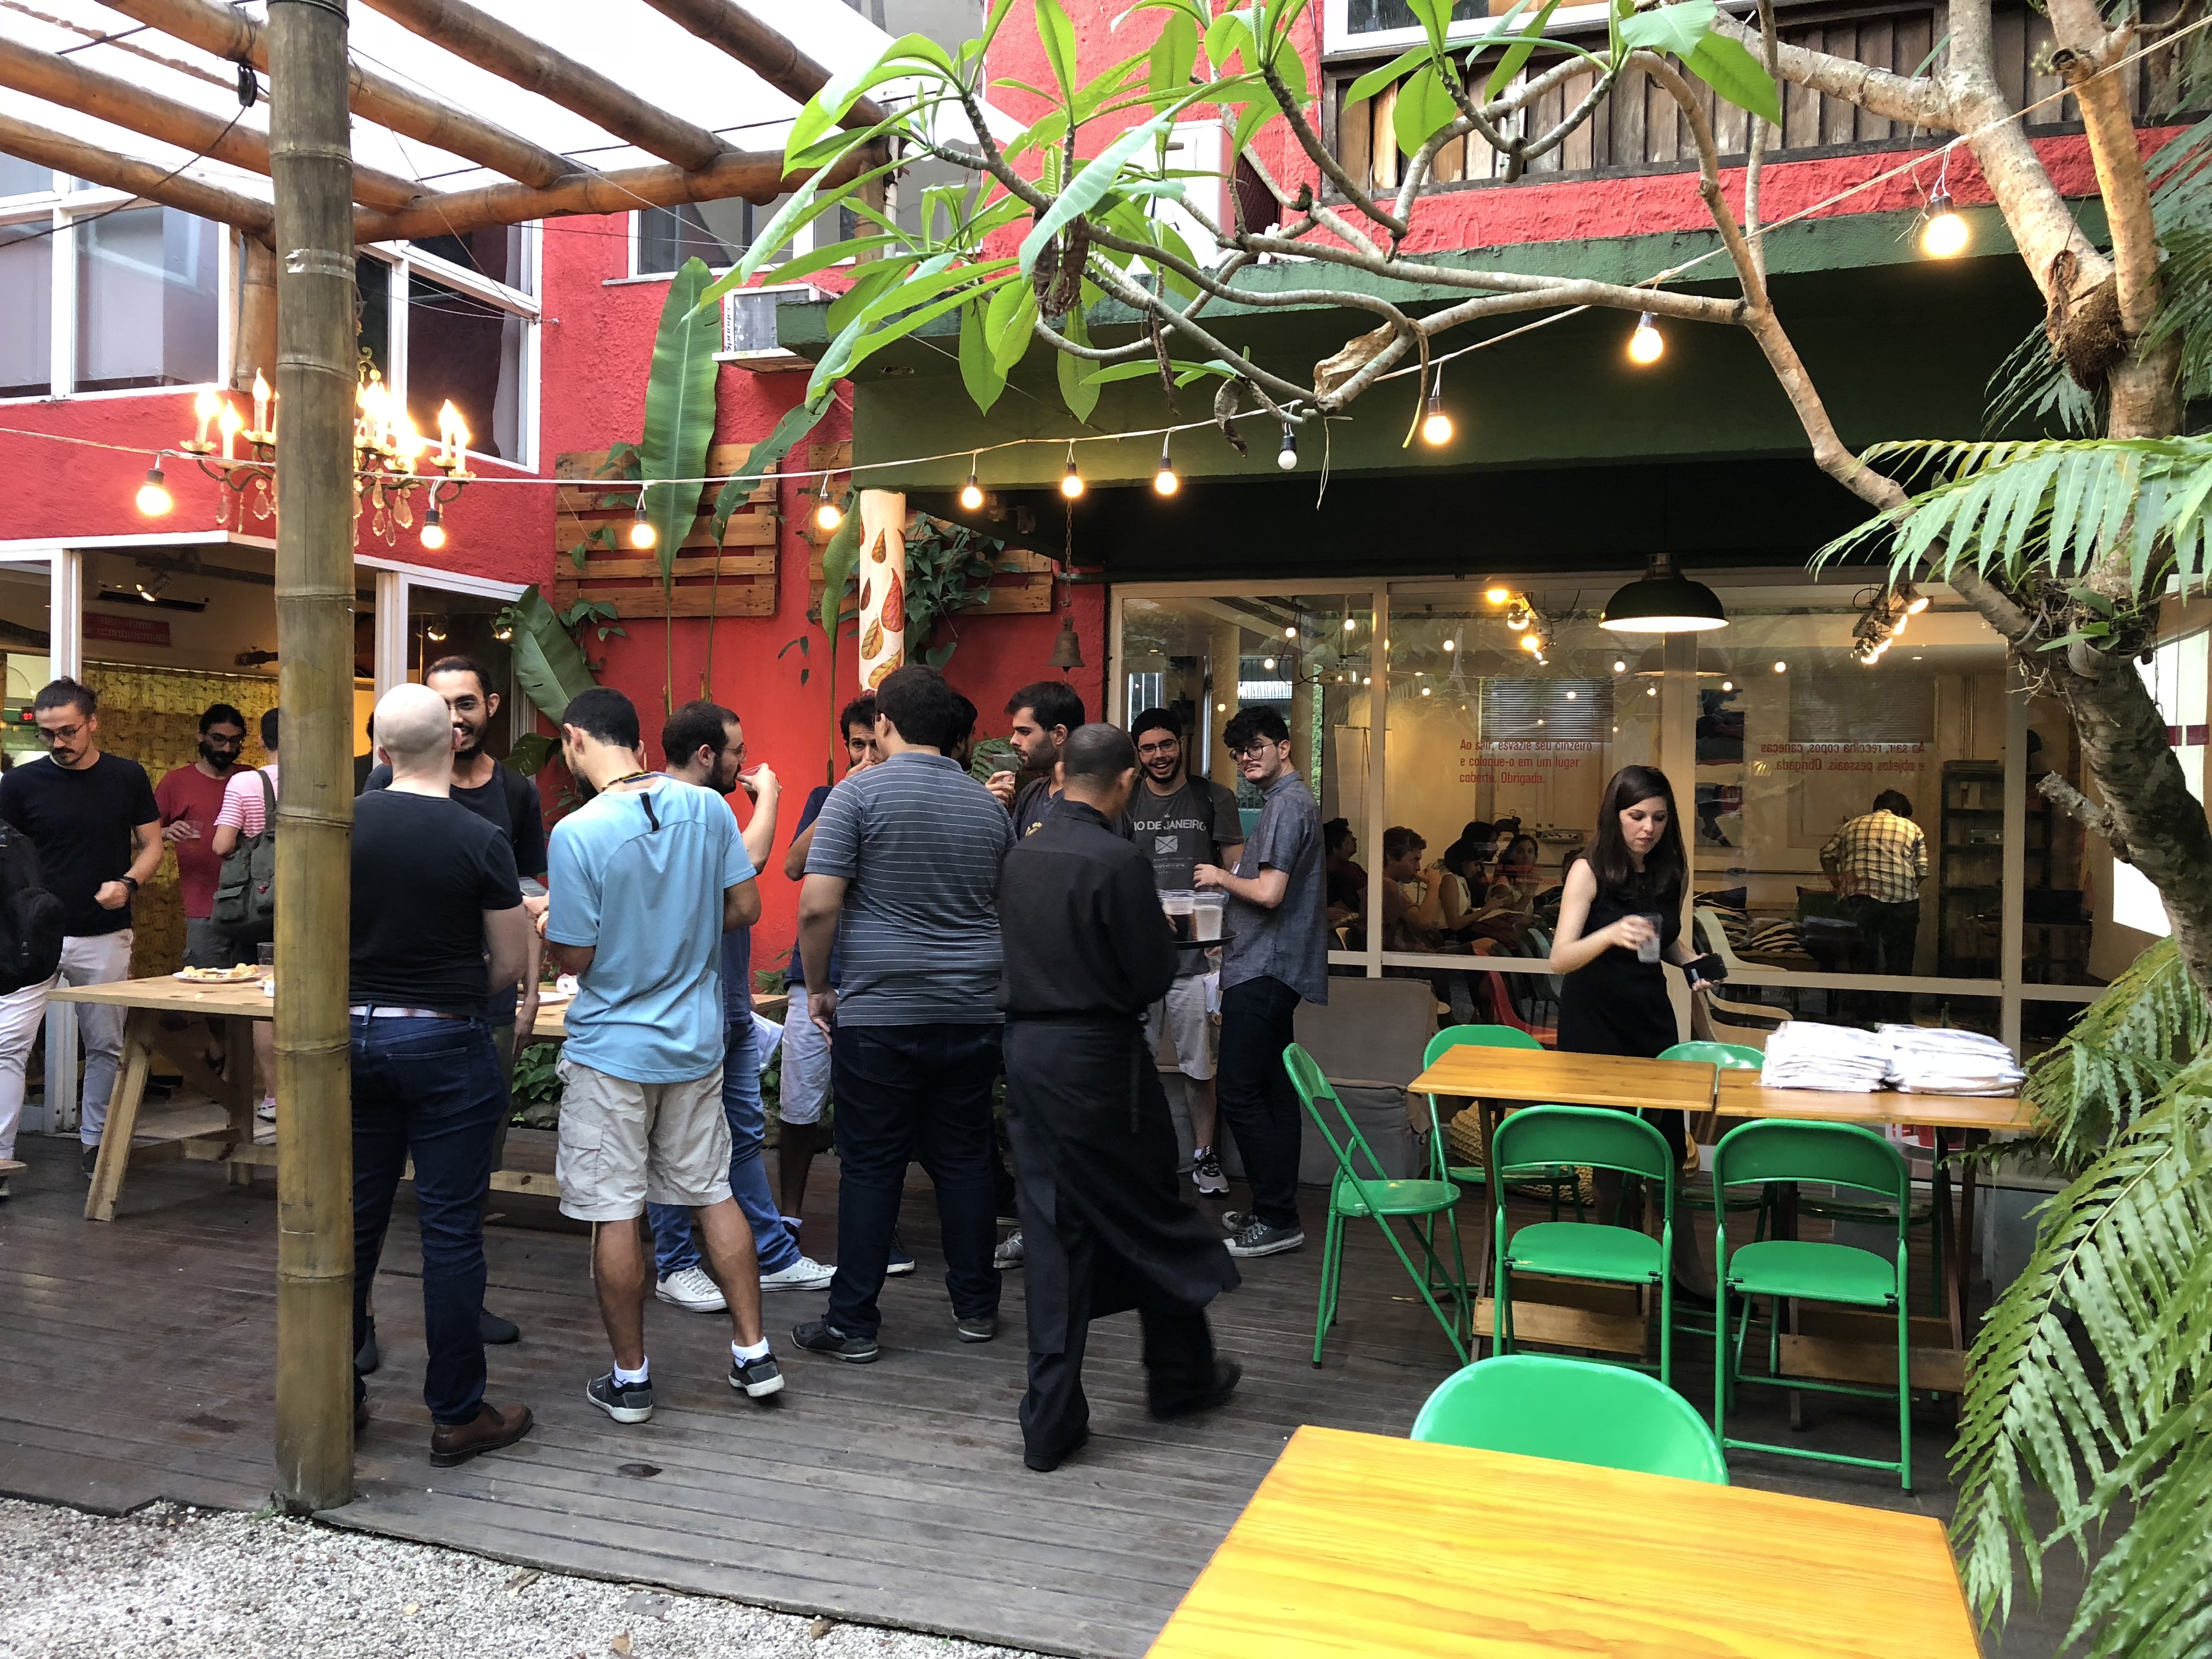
<point x="72" y="85"/>
<point x="236" y="38"/>
<point x="771" y="56"/>
<point x="756" y="178"/>
<point x="523" y="61"/>
<point x="105" y="167"/>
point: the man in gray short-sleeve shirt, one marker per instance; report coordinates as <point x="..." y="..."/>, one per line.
<point x="904" y="875"/>
<point x="1276" y="956"/>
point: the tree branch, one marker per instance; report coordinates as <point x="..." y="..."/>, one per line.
<point x="1317" y="153"/>
<point x="1917" y="100"/>
<point x="1755" y="164"/>
<point x="2075" y="804"/>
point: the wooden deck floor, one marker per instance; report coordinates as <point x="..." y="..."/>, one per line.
<point x="894" y="1493"/>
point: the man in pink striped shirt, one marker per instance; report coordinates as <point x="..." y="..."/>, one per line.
<point x="245" y="814"/>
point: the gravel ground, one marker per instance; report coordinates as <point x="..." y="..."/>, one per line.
<point x="172" y="1582"/>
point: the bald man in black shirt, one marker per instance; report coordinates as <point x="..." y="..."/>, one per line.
<point x="1087" y="951"/>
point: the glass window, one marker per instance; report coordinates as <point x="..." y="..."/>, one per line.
<point x="22" y="178"/>
<point x="27" y="293"/>
<point x="444" y="624"/>
<point x="146" y="291"/>
<point x="717" y="232"/>
<point x="1373" y="16"/>
<point x="372" y="315"/>
<point x="461" y="348"/>
<point x="498" y="252"/>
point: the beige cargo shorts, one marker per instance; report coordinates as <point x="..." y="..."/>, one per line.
<point x="626" y="1145"/>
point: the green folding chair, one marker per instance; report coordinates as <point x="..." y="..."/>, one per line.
<point x="1473" y="1175"/>
<point x="1542" y="1405"/>
<point x="1728" y="1056"/>
<point x="1837" y="1154"/>
<point x="1352" y="1193"/>
<point x="1538" y="1137"/>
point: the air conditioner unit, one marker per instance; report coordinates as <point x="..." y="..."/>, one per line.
<point x="749" y="328"/>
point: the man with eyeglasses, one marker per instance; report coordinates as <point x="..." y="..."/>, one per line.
<point x="189" y="798"/>
<point x="98" y="832"/>
<point x="1276" y="956"/>
<point x="1181" y="822"/>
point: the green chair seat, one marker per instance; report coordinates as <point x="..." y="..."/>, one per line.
<point x="1819" y="1272"/>
<point x="1542" y="1406"/>
<point x="1617" y="1255"/>
<point x="1381" y="1198"/>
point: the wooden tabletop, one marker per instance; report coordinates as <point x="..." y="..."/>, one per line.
<point x="1358" y="1545"/>
<point x="1543" y="1075"/>
<point x="1742" y="1095"/>
<point x="170" y="995"/>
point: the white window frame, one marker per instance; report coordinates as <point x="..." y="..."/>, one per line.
<point x="1337" y="38"/>
<point x="802" y="242"/>
<point x="63" y="211"/>
<point x="401" y="261"/>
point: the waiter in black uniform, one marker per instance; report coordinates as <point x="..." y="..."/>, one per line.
<point x="1087" y="951"/>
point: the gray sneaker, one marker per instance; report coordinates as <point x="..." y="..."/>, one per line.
<point x="979" y="1328"/>
<point x="1009" y="1252"/>
<point x="1258" y="1239"/>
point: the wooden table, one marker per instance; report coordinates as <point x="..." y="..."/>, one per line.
<point x="1358" y="1545"/>
<point x="1545" y="1075"/>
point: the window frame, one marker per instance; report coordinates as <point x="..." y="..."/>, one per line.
<point x="802" y="242"/>
<point x="402" y="260"/>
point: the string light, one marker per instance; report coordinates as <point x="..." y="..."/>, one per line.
<point x="1946" y="234"/>
<point x="434" y="528"/>
<point x="1290" y="633"/>
<point x="1781" y="667"/>
<point x="1165" y="482"/>
<point x="1619" y="666"/>
<point x="1451" y="645"/>
<point x="1727" y="685"/>
<point x="1071" y="483"/>
<point x="153" y="497"/>
<point x="641" y="532"/>
<point x="1267" y="663"/>
<point x="1287" y="457"/>
<point x="1436" y="425"/>
<point x="971" y="493"/>
<point x="828" y="515"/>
<point x="1647" y="344"/>
<point x="1351" y="623"/>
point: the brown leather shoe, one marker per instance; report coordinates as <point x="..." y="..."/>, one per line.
<point x="490" y="1429"/>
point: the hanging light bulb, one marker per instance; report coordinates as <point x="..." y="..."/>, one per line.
<point x="1165" y="482"/>
<point x="828" y="515"/>
<point x="1781" y="667"/>
<point x="1497" y="595"/>
<point x="1914" y="600"/>
<point x="1267" y="663"/>
<point x="971" y="493"/>
<point x="1727" y="685"/>
<point x="1436" y="425"/>
<point x="641" y="532"/>
<point x="1451" y="645"/>
<point x="153" y="497"/>
<point x="1531" y="642"/>
<point x="1071" y="483"/>
<point x="1517" y="617"/>
<point x="1290" y="633"/>
<point x="1351" y="623"/>
<point x="1619" y="666"/>
<point x="434" y="527"/>
<point x="1946" y="234"/>
<point x="1287" y="457"/>
<point x="1647" y="344"/>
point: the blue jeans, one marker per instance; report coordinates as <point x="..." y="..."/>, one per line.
<point x="674" y="1247"/>
<point x="429" y="1089"/>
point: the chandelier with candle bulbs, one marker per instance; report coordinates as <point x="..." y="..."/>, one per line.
<point x="393" y="462"/>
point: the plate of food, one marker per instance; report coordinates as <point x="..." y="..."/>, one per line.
<point x="237" y="975"/>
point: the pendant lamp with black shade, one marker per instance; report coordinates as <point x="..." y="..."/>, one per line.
<point x="1663" y="601"/>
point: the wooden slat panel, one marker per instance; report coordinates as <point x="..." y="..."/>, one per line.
<point x="640" y="569"/>
<point x="1731" y="127"/>
<point x="733" y="598"/>
<point x="1878" y="46"/>
<point x="1836" y="122"/>
<point x="2009" y="53"/>
<point x="1383" y="167"/>
<point x="1801" y="110"/>
<point x="1627" y="106"/>
<point x="1451" y="162"/>
<point x="1354" y="126"/>
<point x="1577" y="152"/>
<point x="745" y="529"/>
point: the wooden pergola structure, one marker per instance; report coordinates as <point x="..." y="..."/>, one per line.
<point x="297" y="314"/>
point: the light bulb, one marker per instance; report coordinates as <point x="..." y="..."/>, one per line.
<point x="641" y="532"/>
<point x="1646" y="345"/>
<point x="1531" y="642"/>
<point x="1517" y="617"/>
<point x="1267" y="663"/>
<point x="1619" y="666"/>
<point x="828" y="515"/>
<point x="1497" y="595"/>
<point x="1425" y="692"/>
<point x="434" y="528"/>
<point x="1287" y="457"/>
<point x="1165" y="482"/>
<point x="1947" y="235"/>
<point x="1071" y="483"/>
<point x="1917" y="604"/>
<point x="153" y="497"/>
<point x="1570" y="696"/>
<point x="1727" y="685"/>
<point x="1435" y="426"/>
<point x="1451" y="645"/>
<point x="1650" y="690"/>
<point x="1781" y="667"/>
<point x="1351" y="623"/>
<point x="1290" y="633"/>
<point x="971" y="495"/>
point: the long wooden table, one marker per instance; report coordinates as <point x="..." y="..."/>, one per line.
<point x="1358" y="1544"/>
<point x="1543" y="1075"/>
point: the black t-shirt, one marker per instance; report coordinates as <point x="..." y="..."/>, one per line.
<point x="509" y="802"/>
<point x="81" y="821"/>
<point x="1036" y="802"/>
<point x="424" y="871"/>
<point x="1180" y="832"/>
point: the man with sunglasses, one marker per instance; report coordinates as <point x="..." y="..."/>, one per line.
<point x="98" y="832"/>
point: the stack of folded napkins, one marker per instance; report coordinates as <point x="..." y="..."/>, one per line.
<point x="1925" y="1061"/>
<point x="1806" y="1054"/>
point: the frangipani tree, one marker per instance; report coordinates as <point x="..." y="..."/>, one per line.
<point x="2093" y="1378"/>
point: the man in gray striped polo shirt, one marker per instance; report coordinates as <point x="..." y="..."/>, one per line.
<point x="902" y="877"/>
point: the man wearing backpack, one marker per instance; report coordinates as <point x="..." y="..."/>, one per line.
<point x="91" y="820"/>
<point x="245" y="894"/>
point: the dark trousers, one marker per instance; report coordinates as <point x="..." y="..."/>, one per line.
<point x="1257" y="1101"/>
<point x="907" y="1093"/>
<point x="1888" y="936"/>
<point x="1073" y="1277"/>
<point x="428" y="1090"/>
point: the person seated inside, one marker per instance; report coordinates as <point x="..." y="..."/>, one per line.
<point x="1519" y="877"/>
<point x="1346" y="882"/>
<point x="1411" y="896"/>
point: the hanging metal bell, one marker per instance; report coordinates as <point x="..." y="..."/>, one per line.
<point x="1067" y="650"/>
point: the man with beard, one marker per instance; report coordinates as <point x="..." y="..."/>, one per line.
<point x="704" y="744"/>
<point x="189" y="798"/>
<point x="509" y="802"/>
<point x="1087" y="951"/>
<point x="1181" y="822"/>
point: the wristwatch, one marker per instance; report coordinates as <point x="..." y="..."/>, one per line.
<point x="131" y="882"/>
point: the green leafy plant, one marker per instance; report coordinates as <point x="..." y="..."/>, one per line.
<point x="551" y="664"/>
<point x="536" y="1085"/>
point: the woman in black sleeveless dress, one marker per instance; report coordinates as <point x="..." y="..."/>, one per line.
<point x="1610" y="1002"/>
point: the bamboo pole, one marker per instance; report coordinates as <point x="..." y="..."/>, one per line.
<point x="309" y="147"/>
<point x="253" y="346"/>
<point x="72" y="85"/>
<point x="768" y="54"/>
<point x="528" y="62"/>
<point x="103" y="167"/>
<point x="234" y="37"/>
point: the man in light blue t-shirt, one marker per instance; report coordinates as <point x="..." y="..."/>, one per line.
<point x="646" y="879"/>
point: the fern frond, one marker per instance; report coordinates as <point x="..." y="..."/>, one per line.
<point x="2149" y="1596"/>
<point x="2123" y="1051"/>
<point x="2083" y="1361"/>
<point x="2031" y="391"/>
<point x="2181" y="209"/>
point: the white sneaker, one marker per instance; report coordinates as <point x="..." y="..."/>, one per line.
<point x="803" y="1274"/>
<point x="693" y="1290"/>
<point x="266" y="1111"/>
<point x="1009" y="1252"/>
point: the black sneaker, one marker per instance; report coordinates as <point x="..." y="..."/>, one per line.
<point x="1227" y="1374"/>
<point x="820" y="1336"/>
<point x="626" y="1402"/>
<point x="89" y="1162"/>
<point x="492" y="1329"/>
<point x="982" y="1328"/>
<point x="902" y="1260"/>
<point x="756" y="1378"/>
<point x="1258" y="1239"/>
<point x="367" y="1357"/>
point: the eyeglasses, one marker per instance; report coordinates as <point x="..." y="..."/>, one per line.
<point x="1167" y="747"/>
<point x="217" y="740"/>
<point x="53" y="734"/>
<point x="1259" y="751"/>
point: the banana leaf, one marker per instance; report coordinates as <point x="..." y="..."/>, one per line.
<point x="766" y="456"/>
<point x="549" y="663"/>
<point x="679" y="412"/>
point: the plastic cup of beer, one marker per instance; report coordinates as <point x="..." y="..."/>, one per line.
<point x="1206" y="914"/>
<point x="1179" y="904"/>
